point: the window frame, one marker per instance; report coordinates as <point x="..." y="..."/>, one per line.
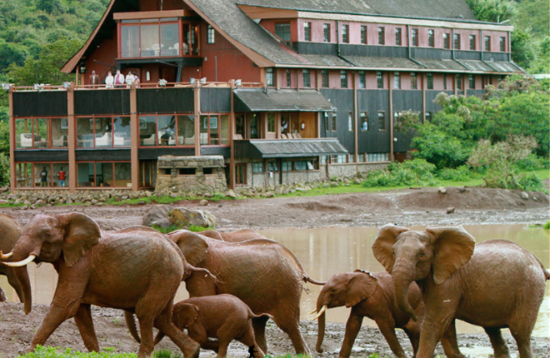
<point x="458" y="81"/>
<point x="471" y="82"/>
<point x="381" y="35"/>
<point x="456" y="41"/>
<point x="325" y="79"/>
<point x="380" y="128"/>
<point x="95" y="162"/>
<point x="285" y="24"/>
<point x="431" y="38"/>
<point x="364" y="115"/>
<point x="414" y="83"/>
<point x="350" y="122"/>
<point x="429" y="81"/>
<point x="398" y="36"/>
<point x="396" y="77"/>
<point x="446" y="40"/>
<point x="334" y="122"/>
<point x="472" y="42"/>
<point x="306" y="74"/>
<point x="445" y="81"/>
<point x="176" y="131"/>
<point x="210" y="35"/>
<point x="362" y="79"/>
<point x="487" y="43"/>
<point x="364" y="34"/>
<point x="270" y="76"/>
<point x="33" y="178"/>
<point x="33" y="120"/>
<point x="94" y="126"/>
<point x="414" y="36"/>
<point x="326" y="32"/>
<point x="307" y="31"/>
<point x="502" y="43"/>
<point x="288" y="78"/>
<point x="344" y="83"/>
<point x="345" y="33"/>
<point x="379" y="80"/>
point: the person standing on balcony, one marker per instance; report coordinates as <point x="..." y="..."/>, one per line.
<point x="94" y="79"/>
<point x="61" y="174"/>
<point x="44" y="177"/>
<point x="136" y="80"/>
<point x="130" y="79"/>
<point x="119" y="79"/>
<point x="109" y="80"/>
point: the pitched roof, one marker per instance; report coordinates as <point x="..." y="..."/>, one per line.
<point x="252" y="100"/>
<point x="440" y="9"/>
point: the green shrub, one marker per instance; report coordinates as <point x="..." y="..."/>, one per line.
<point x="197" y="228"/>
<point x="410" y="172"/>
<point x="172" y="227"/>
<point x="532" y="162"/>
<point x="547" y="225"/>
<point x="520" y="181"/>
<point x="461" y="173"/>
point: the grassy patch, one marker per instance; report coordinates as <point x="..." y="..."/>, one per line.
<point x="547" y="226"/>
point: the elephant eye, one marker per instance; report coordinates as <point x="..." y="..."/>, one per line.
<point x="393" y="253"/>
<point x="47" y="236"/>
<point x="421" y="254"/>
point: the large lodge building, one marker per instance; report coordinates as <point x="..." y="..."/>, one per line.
<point x="284" y="90"/>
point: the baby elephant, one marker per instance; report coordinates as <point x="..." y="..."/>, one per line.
<point x="369" y="295"/>
<point x="224" y="317"/>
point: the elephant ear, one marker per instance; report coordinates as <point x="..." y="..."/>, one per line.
<point x="382" y="247"/>
<point x="81" y="234"/>
<point x="185" y="315"/>
<point x="453" y="248"/>
<point x="193" y="246"/>
<point x="360" y="287"/>
<point x="212" y="234"/>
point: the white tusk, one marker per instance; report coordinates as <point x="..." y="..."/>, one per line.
<point x="5" y="256"/>
<point x="320" y="312"/>
<point x="28" y="260"/>
<point x="314" y="311"/>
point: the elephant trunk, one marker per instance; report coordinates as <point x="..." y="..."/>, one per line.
<point x="403" y="276"/>
<point x="22" y="252"/>
<point x="321" y="332"/>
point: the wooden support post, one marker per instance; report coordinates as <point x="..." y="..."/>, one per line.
<point x="455" y="84"/>
<point x="197" y="118"/>
<point x="319" y="119"/>
<point x="71" y="139"/>
<point x="134" y="129"/>
<point x="423" y="97"/>
<point x="391" y="114"/>
<point x="264" y="128"/>
<point x="278" y="125"/>
<point x="11" y="121"/>
<point x="232" y="130"/>
<point x="355" y="109"/>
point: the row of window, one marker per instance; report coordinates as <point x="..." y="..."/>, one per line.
<point x="362" y="76"/>
<point x="89" y="174"/>
<point x="115" y="132"/>
<point x="283" y="31"/>
<point x="361" y="158"/>
<point x="286" y="166"/>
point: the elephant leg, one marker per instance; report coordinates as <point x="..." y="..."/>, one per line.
<point x="259" y="332"/>
<point x="498" y="343"/>
<point x="387" y="328"/>
<point x="224" y="344"/>
<point x="83" y="319"/>
<point x="522" y="335"/>
<point x="352" y="330"/>
<point x="163" y="322"/>
<point x="450" y="343"/>
<point x="3" y="297"/>
<point x="14" y="282"/>
<point x="413" y="332"/>
<point x="55" y="316"/>
<point x="290" y="325"/>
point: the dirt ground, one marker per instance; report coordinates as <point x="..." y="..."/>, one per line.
<point x="405" y="207"/>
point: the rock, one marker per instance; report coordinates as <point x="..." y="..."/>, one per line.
<point x="535" y="198"/>
<point x="40" y="203"/>
<point x="141" y="202"/>
<point x="203" y="202"/>
<point x="524" y="195"/>
<point x="414" y="188"/>
<point x="462" y="189"/>
<point x="334" y="184"/>
<point x="442" y="190"/>
<point x="4" y="189"/>
<point x="117" y="199"/>
<point x="156" y="214"/>
<point x="230" y="193"/>
<point x="186" y="217"/>
<point x="163" y="223"/>
<point x="3" y="202"/>
<point x="450" y="210"/>
<point x="269" y="194"/>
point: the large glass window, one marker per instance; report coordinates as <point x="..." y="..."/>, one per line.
<point x="397" y="80"/>
<point x="430" y="80"/>
<point x="147" y="173"/>
<point x="364" y="121"/>
<point x="214" y="129"/>
<point x="471" y="82"/>
<point x="97" y="132"/>
<point x="269" y="80"/>
<point x="104" y="174"/>
<point x="283" y="31"/>
<point x="158" y="37"/>
<point x="364" y="35"/>
<point x="41" y="175"/>
<point x="254" y="126"/>
<point x="487" y="43"/>
<point x="446" y="41"/>
<point x="502" y="42"/>
<point x="41" y="133"/>
<point x="166" y="130"/>
<point x="379" y="80"/>
<point x="456" y="40"/>
<point x="210" y="35"/>
<point x="431" y="38"/>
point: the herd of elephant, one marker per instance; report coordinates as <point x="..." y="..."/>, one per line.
<point x="238" y="281"/>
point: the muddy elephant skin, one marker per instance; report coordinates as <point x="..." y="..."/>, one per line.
<point x="133" y="269"/>
<point x="494" y="284"/>
<point x="265" y="275"/>
<point x="369" y="295"/>
<point x="223" y="317"/>
<point x="10" y="230"/>
<point x="236" y="236"/>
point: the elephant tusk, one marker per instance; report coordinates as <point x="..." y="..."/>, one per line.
<point x="320" y="312"/>
<point x="28" y="260"/>
<point x="5" y="256"/>
<point x="314" y="311"/>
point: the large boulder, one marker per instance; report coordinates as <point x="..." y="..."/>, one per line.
<point x="158" y="215"/>
<point x="186" y="217"/>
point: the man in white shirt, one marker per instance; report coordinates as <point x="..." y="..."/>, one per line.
<point x="109" y="80"/>
<point x="130" y="79"/>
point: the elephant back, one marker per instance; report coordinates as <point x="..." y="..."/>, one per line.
<point x="10" y="230"/>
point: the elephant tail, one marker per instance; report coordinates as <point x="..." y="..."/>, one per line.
<point x="190" y="269"/>
<point x="315" y="282"/>
<point x="252" y="315"/>
<point x="131" y="323"/>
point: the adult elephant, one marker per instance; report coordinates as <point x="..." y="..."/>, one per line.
<point x="108" y="269"/>
<point x="262" y="273"/>
<point x="495" y="284"/>
<point x="10" y="230"/>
